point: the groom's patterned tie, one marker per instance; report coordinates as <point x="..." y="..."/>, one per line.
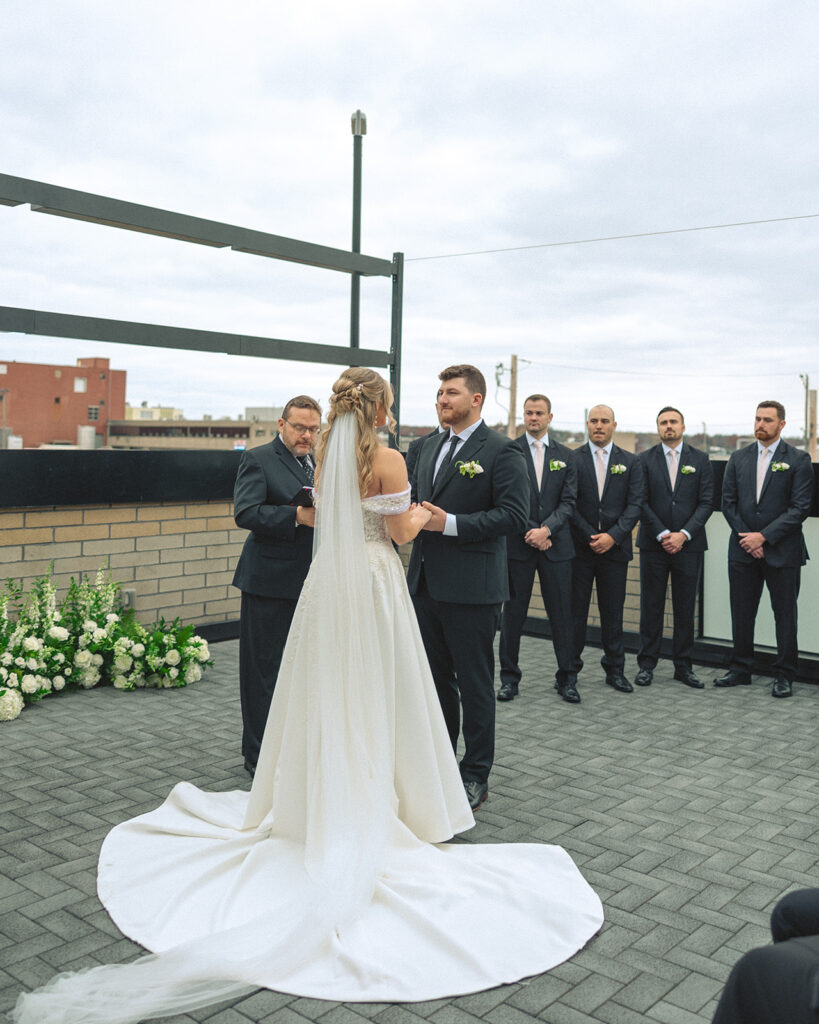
<point x="307" y="466"/>
<point x="453" y="444"/>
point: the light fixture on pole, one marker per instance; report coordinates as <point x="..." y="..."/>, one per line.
<point x="359" y="129"/>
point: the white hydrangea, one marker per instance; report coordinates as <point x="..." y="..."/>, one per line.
<point x="4" y="673"/>
<point x="32" y="643"/>
<point x="98" y="635"/>
<point x="138" y="650"/>
<point x="202" y="652"/>
<point x="96" y="660"/>
<point x="193" y="673"/>
<point x="43" y="683"/>
<point x="120" y="682"/>
<point x="28" y="684"/>
<point x="111" y="617"/>
<point x="6" y="659"/>
<point x="11" y="704"/>
<point x="59" y="657"/>
<point x="173" y="673"/>
<point x="123" y="662"/>
<point x="58" y="633"/>
<point x="58" y="682"/>
<point x="82" y="659"/>
<point x="20" y="662"/>
<point x="89" y="625"/>
<point x="33" y="664"/>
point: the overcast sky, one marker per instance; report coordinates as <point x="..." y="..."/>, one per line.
<point x="490" y="126"/>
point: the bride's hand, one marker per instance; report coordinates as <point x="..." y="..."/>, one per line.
<point x="419" y="516"/>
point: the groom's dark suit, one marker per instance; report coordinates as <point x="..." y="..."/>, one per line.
<point x="616" y="513"/>
<point x="784" y="504"/>
<point x="270" y="574"/>
<point x="458" y="583"/>
<point x="551" y="504"/>
<point x="687" y="506"/>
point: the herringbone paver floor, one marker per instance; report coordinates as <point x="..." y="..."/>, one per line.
<point x="690" y="812"/>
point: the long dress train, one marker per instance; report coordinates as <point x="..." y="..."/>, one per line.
<point x="326" y="880"/>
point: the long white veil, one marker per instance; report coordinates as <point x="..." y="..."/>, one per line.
<point x="325" y="784"/>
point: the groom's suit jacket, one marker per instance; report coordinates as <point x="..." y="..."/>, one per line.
<point x="784" y="504"/>
<point x="277" y="554"/>
<point x="470" y="568"/>
<point x="686" y="506"/>
<point x="616" y="513"/>
<point x="550" y="505"/>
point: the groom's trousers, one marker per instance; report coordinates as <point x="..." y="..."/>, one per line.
<point x="459" y="639"/>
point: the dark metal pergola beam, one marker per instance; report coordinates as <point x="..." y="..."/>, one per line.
<point x="126" y="332"/>
<point x="67" y="202"/>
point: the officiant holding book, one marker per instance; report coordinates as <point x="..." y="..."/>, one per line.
<point x="272" y="498"/>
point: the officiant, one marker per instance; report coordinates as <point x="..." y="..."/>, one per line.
<point x="272" y="499"/>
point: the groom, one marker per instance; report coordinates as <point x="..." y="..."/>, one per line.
<point x="473" y="481"/>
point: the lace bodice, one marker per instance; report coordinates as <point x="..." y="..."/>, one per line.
<point x="379" y="505"/>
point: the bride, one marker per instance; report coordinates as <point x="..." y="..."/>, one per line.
<point x="325" y="880"/>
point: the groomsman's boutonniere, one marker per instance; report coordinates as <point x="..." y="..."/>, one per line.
<point x="618" y="468"/>
<point x="687" y="470"/>
<point x="556" y="464"/>
<point x="469" y="468"/>
<point x="779" y="467"/>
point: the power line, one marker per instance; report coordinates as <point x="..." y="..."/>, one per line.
<point x="655" y="373"/>
<point x="608" y="238"/>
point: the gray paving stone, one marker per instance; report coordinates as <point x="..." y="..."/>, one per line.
<point x="691" y="813"/>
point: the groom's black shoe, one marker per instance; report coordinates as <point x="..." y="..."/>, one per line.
<point x="250" y="768"/>
<point x="476" y="792"/>
<point x="508" y="691"/>
<point x="732" y="678"/>
<point x="619" y="682"/>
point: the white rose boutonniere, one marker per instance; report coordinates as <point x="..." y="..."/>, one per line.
<point x="469" y="469"/>
<point x="780" y="467"/>
<point x="688" y="470"/>
<point x="555" y="465"/>
<point x="618" y="469"/>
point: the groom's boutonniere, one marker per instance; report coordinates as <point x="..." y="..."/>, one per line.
<point x="556" y="464"/>
<point x="779" y="467"/>
<point x="618" y="468"/>
<point x="469" y="469"/>
<point x="687" y="470"/>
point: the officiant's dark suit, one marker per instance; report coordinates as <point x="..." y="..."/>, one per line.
<point x="272" y="567"/>
<point x="614" y="515"/>
<point x="681" y="510"/>
<point x="551" y="505"/>
<point x="776" y="516"/>
<point x="459" y="582"/>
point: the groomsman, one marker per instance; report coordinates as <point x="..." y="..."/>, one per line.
<point x="271" y="500"/>
<point x="677" y="502"/>
<point x="414" y="447"/>
<point x="766" y="496"/>
<point x="473" y="481"/>
<point x="546" y="548"/>
<point x="609" y="493"/>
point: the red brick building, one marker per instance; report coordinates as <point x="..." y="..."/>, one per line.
<point x="46" y="404"/>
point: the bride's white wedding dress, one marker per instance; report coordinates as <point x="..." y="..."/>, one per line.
<point x="325" y="880"/>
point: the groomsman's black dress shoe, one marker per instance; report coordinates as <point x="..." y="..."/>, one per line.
<point x="686" y="675"/>
<point x="782" y="687"/>
<point x="734" y="679"/>
<point x="568" y="691"/>
<point x="508" y="691"/>
<point x="250" y="768"/>
<point x="619" y="682"/>
<point x="476" y="792"/>
<point x="644" y="677"/>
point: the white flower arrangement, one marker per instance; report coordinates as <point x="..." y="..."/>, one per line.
<point x="555" y="465"/>
<point x="780" y="467"/>
<point x="88" y="641"/>
<point x="687" y="470"/>
<point x="617" y="469"/>
<point x="470" y="469"/>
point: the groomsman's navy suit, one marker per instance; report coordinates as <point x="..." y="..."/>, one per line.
<point x="687" y="506"/>
<point x="270" y="573"/>
<point x="458" y="584"/>
<point x="784" y="504"/>
<point x="551" y="504"/>
<point x="616" y="513"/>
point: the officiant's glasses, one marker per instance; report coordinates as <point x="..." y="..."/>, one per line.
<point x="299" y="429"/>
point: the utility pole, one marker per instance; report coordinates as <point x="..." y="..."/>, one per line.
<point x="811" y="424"/>
<point x="705" y="437"/>
<point x="359" y="129"/>
<point x="511" y="430"/>
<point x="3" y="439"/>
<point x="806" y="384"/>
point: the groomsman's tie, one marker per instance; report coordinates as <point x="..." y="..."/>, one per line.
<point x="538" y="445"/>
<point x="761" y="470"/>
<point x="673" y="455"/>
<point x="307" y="466"/>
<point x="600" y="455"/>
<point x="453" y="444"/>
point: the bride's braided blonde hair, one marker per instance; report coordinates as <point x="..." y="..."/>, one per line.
<point x="359" y="391"/>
